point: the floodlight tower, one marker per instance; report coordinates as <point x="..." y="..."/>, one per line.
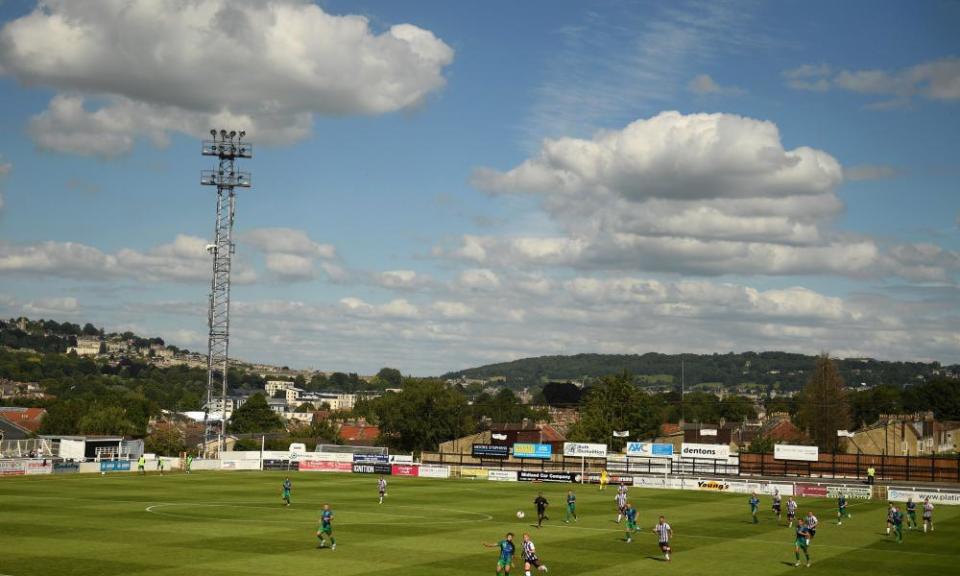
<point x="228" y="147"/>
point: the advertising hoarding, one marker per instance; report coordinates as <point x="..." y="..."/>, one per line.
<point x="528" y="450"/>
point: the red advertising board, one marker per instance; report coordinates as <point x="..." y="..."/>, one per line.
<point x="404" y="470"/>
<point x="325" y="466"/>
<point x="811" y="490"/>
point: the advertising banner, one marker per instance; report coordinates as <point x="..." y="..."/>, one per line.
<point x="11" y="468"/>
<point x="325" y="466"/>
<point x="331" y="456"/>
<point x="531" y="476"/>
<point x="663" y="482"/>
<point x="813" y="490"/>
<point x="527" y="450"/>
<point x="713" y="485"/>
<point x="490" y="451"/>
<point x="401" y="459"/>
<point x="795" y="452"/>
<point x="649" y="449"/>
<point x="428" y="471"/>
<point x="502" y="475"/>
<point x="114" y="465"/>
<point x="474" y="473"/>
<point x="403" y="470"/>
<point x="612" y="479"/>
<point x="66" y="468"/>
<point x="857" y="492"/>
<point x="583" y="450"/>
<point x="951" y="498"/>
<point x="372" y="468"/>
<point x="272" y="464"/>
<point x="712" y="451"/>
<point x="371" y="459"/>
<point x="38" y="467"/>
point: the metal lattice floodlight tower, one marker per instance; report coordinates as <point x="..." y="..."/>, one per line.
<point x="228" y="147"/>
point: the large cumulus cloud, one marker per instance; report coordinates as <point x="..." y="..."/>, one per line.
<point x="127" y="69"/>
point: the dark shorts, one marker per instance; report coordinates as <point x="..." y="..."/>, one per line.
<point x="664" y="545"/>
<point x="776" y="507"/>
<point x="812" y="531"/>
<point x="533" y="561"/>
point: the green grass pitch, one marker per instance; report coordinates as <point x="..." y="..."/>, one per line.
<point x="219" y="524"/>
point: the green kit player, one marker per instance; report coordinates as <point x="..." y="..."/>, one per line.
<point x="911" y="513"/>
<point x="842" y="509"/>
<point x="631" y="513"/>
<point x="189" y="462"/>
<point x="898" y="524"/>
<point x="505" y="562"/>
<point x="326" y="528"/>
<point x="754" y="507"/>
<point x="160" y="465"/>
<point x="801" y="542"/>
<point x="287" y="487"/>
<point x="571" y="507"/>
<point x="142" y="464"/>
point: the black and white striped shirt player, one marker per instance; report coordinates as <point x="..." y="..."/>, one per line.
<point x="530" y="559"/>
<point x="382" y="488"/>
<point x="664" y="533"/>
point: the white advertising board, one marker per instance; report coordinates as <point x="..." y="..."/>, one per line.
<point x="712" y="451"/>
<point x="795" y="452"/>
<point x="428" y="471"/>
<point x="502" y="475"/>
<point x="951" y="498"/>
<point x="584" y="450"/>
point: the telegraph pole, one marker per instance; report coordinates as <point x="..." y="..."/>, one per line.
<point x="227" y="147"/>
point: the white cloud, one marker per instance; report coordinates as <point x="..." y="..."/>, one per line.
<point x="402" y="280"/>
<point x="55" y="306"/>
<point x="453" y="309"/>
<point x="935" y="80"/>
<point x="288" y="241"/>
<point x="183" y="260"/>
<point x="479" y="279"/>
<point x="290" y="253"/>
<point x="290" y="266"/>
<point x="703" y="84"/>
<point x="156" y="67"/>
<point x="708" y="194"/>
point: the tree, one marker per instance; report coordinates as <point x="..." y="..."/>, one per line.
<point x="760" y="445"/>
<point x="108" y="420"/>
<point x="305" y="407"/>
<point x="165" y="439"/>
<point x="426" y="413"/>
<point x="615" y="404"/>
<point x="823" y="405"/>
<point x="389" y="377"/>
<point x="255" y="416"/>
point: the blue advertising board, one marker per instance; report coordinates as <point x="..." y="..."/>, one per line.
<point x="114" y="465"/>
<point x="649" y="449"/>
<point x="528" y="450"/>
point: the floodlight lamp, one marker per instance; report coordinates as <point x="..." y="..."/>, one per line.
<point x="213" y="133"/>
<point x="223" y="133"/>
<point x="243" y="133"/>
<point x="233" y="133"/>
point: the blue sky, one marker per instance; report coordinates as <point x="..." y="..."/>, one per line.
<point x="439" y="185"/>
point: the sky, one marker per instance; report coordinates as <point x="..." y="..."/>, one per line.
<point x="439" y="185"/>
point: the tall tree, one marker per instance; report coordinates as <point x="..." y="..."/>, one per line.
<point x="426" y="413"/>
<point x="255" y="416"/>
<point x="616" y="404"/>
<point x="389" y="377"/>
<point x="824" y="407"/>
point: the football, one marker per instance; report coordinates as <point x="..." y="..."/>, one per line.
<point x="520" y="514"/>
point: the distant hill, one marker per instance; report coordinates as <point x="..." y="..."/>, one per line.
<point x="763" y="370"/>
